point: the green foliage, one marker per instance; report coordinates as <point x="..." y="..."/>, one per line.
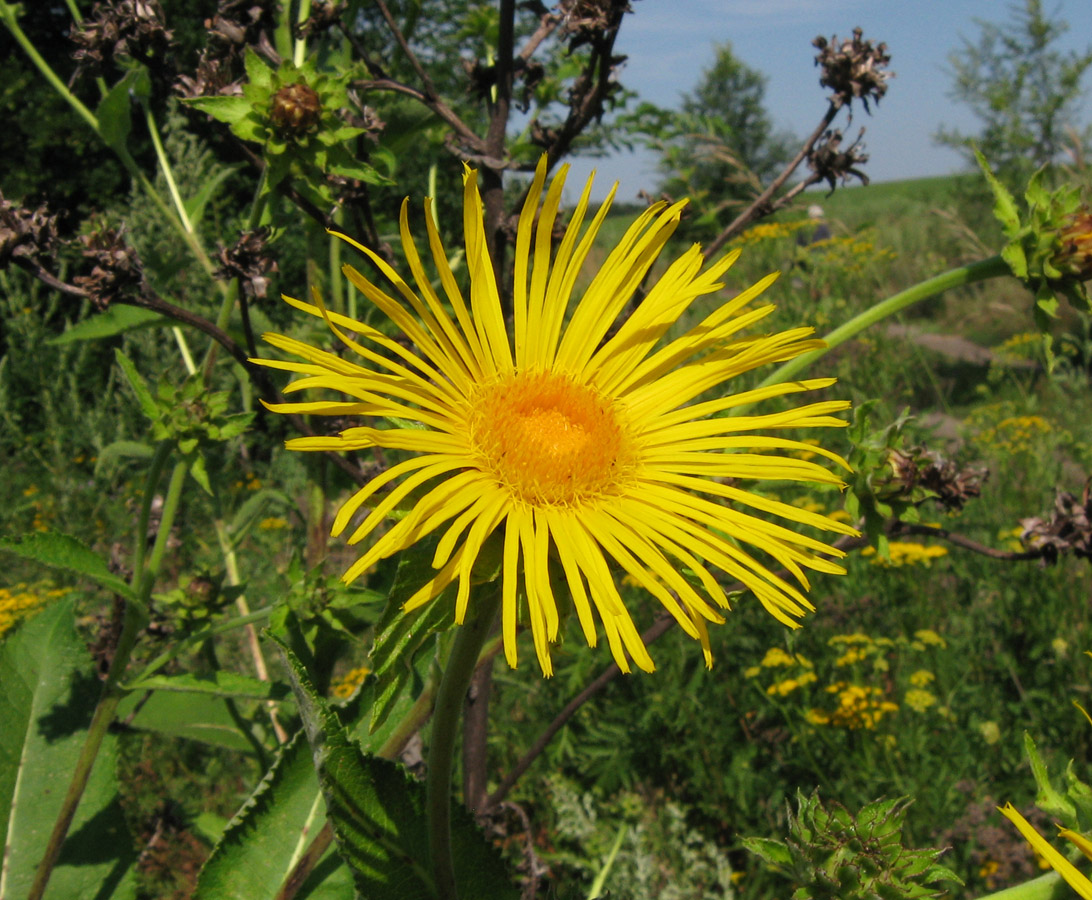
<point x="377" y="813"/>
<point x="63" y="551"/>
<point x="831" y="853"/>
<point x="1023" y="89"/>
<point x="49" y="694"/>
<point x="1047" y="247"/>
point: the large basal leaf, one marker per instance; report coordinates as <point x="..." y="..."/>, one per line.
<point x="48" y="697"/>
<point x="196" y="717"/>
<point x="265" y="838"/>
<point x="62" y="551"/>
<point x="378" y="814"/>
<point x="262" y="844"/>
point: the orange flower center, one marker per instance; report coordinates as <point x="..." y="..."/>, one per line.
<point x="550" y="441"/>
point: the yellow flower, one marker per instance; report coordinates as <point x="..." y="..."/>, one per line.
<point x="922" y="678"/>
<point x="775" y="656"/>
<point x="344" y="687"/>
<point x="919" y="700"/>
<point x="990" y="731"/>
<point x="1061" y="865"/>
<point x="576" y="437"/>
<point x="273" y="523"/>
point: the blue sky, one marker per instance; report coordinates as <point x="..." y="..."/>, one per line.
<point x="670" y="42"/>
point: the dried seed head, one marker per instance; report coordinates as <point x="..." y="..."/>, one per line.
<point x="25" y="233"/>
<point x="831" y="163"/>
<point x="854" y="69"/>
<point x="295" y="110"/>
<point x="952" y="486"/>
<point x="125" y="29"/>
<point x="1069" y="529"/>
<point x="117" y="270"/>
<point x="250" y="262"/>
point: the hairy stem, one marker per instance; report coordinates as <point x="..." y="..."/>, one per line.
<point x="469" y="640"/>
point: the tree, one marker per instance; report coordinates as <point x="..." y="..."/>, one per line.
<point x="1024" y="90"/>
<point x="722" y="143"/>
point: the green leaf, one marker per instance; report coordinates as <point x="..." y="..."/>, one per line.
<point x="1004" y="205"/>
<point x="49" y="695"/>
<point x="378" y="815"/>
<point x="230" y="110"/>
<point x="399" y="635"/>
<point x="195" y="206"/>
<point x="138" y="384"/>
<point x="195" y="717"/>
<point x="1049" y="799"/>
<point x="113" y="113"/>
<point x="117" y="319"/>
<point x="771" y="852"/>
<point x="220" y="683"/>
<point x="257" y="71"/>
<point x="265" y="839"/>
<point x="62" y="551"/>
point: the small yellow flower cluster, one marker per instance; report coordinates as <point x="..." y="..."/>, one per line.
<point x="20" y="601"/>
<point x="929" y="638"/>
<point x="922" y="678"/>
<point x="273" y="523"/>
<point x="1020" y="346"/>
<point x="919" y="700"/>
<point x="859" y="707"/>
<point x="1013" y="434"/>
<point x="906" y="553"/>
<point x="770" y="231"/>
<point x="788" y="685"/>
<point x="346" y="686"/>
<point x="850" y="254"/>
<point x="251" y="483"/>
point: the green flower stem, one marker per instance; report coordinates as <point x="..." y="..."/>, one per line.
<point x="112" y="692"/>
<point x="1045" y="887"/>
<point x="968" y="274"/>
<point x="155" y="472"/>
<point x="299" y="50"/>
<point x="465" y="651"/>
<point x="165" y="166"/>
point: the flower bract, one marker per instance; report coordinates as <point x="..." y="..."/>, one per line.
<point x="584" y="440"/>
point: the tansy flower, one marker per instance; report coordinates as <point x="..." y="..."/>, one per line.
<point x="577" y="437"/>
<point x="1072" y="875"/>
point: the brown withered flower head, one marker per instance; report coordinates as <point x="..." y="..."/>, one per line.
<point x="324" y="14"/>
<point x="830" y="163"/>
<point x="236" y="25"/>
<point x="1068" y="530"/>
<point x="1074" y="258"/>
<point x="123" y="29"/>
<point x="295" y="110"/>
<point x="249" y="261"/>
<point x="586" y="21"/>
<point x="950" y="485"/>
<point x="24" y="233"/>
<point x="853" y="69"/>
<point x="117" y="270"/>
